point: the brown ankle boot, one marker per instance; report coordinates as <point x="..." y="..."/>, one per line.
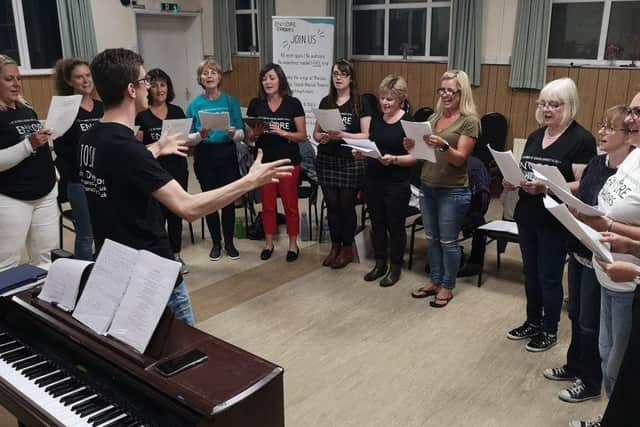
<point x="379" y="270"/>
<point x="344" y="257"/>
<point x="333" y="253"/>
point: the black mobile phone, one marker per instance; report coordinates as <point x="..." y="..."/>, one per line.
<point x="173" y="366"/>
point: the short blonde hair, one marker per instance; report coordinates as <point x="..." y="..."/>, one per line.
<point x="467" y="104"/>
<point x="7" y="60"/>
<point x="562" y="90"/>
<point x="209" y="63"/>
<point x="395" y="85"/>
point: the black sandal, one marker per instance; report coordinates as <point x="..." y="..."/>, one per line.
<point x="423" y="292"/>
<point x="434" y="304"/>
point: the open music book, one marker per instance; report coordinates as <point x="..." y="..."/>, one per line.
<point x="124" y="296"/>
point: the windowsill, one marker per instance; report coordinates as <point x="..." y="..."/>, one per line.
<point x="381" y="58"/>
<point x="248" y="54"/>
<point x="37" y="72"/>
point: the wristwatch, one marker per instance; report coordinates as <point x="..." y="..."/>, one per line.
<point x="444" y="147"/>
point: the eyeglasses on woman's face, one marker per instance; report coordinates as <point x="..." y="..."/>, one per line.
<point x="446" y="91"/>
<point x="549" y="105"/>
<point x="608" y="128"/>
<point x="632" y="111"/>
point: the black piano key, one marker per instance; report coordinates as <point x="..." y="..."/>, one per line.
<point x="68" y="389"/>
<point x="61" y="385"/>
<point x="97" y="412"/>
<point x="51" y="378"/>
<point x="10" y="346"/>
<point x="38" y="371"/>
<point x="76" y="397"/>
<point x="5" y="338"/>
<point x="119" y="422"/>
<point x="104" y="416"/>
<point x="96" y="406"/>
<point x="14" y="356"/>
<point x="27" y="362"/>
<point x="83" y="405"/>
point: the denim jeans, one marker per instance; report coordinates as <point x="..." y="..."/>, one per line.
<point x="615" y="328"/>
<point x="180" y="304"/>
<point x="443" y="211"/>
<point x="543" y="255"/>
<point x="83" y="247"/>
<point x="583" y="358"/>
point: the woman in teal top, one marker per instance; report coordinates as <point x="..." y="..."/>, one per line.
<point x="215" y="158"/>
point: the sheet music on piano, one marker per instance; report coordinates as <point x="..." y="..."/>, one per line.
<point x="62" y="284"/>
<point x="126" y="293"/>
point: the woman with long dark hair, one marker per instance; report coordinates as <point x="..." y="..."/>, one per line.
<point x="160" y="96"/>
<point x="73" y="77"/>
<point x="280" y="128"/>
<point x="339" y="173"/>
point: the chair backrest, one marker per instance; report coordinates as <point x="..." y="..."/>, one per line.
<point x="422" y="114"/>
<point x="493" y="133"/>
<point x="372" y="101"/>
<point x="479" y="184"/>
<point x="62" y="183"/>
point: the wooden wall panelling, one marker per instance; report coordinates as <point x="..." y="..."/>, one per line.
<point x="617" y="89"/>
<point x="587" y="82"/>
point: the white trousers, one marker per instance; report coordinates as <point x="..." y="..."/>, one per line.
<point x="33" y="224"/>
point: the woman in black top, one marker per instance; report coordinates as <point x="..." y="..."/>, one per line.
<point x="387" y="187"/>
<point x="150" y="121"/>
<point x="340" y="175"/>
<point x="73" y="77"/>
<point x="280" y="128"/>
<point x="563" y="143"/>
<point x="28" y="209"/>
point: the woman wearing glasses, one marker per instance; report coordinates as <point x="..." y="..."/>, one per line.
<point x="583" y="363"/>
<point x="563" y="143"/>
<point x="339" y="173"/>
<point x="28" y="208"/>
<point x="445" y="183"/>
<point x="73" y="76"/>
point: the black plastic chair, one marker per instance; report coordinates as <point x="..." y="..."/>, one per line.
<point x="66" y="220"/>
<point x="493" y="133"/>
<point x="372" y="100"/>
<point x="308" y="189"/>
<point x="422" y="114"/>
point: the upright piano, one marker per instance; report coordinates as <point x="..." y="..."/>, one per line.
<point x="54" y="371"/>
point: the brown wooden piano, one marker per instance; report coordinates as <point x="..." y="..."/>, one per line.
<point x="56" y="372"/>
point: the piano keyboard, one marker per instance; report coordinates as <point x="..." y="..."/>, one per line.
<point x="55" y="391"/>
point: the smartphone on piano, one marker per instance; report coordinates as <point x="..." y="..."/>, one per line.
<point x="180" y="363"/>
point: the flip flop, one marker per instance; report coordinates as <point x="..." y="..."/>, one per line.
<point x="423" y="292"/>
<point x="434" y="304"/>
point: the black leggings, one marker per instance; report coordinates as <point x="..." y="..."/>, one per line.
<point x="216" y="165"/>
<point x="173" y="221"/>
<point x="341" y="213"/>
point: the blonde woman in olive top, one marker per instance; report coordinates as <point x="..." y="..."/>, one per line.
<point x="445" y="195"/>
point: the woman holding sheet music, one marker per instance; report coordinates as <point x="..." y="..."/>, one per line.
<point x="280" y="128"/>
<point x="73" y="77"/>
<point x="563" y="143"/>
<point x="445" y="195"/>
<point x="339" y="173"/>
<point x="150" y="121"/>
<point x="28" y="208"/>
<point x="215" y="160"/>
<point x="387" y="189"/>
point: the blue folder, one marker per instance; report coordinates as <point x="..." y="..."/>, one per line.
<point x="20" y="276"/>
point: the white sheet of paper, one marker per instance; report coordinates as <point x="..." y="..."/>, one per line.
<point x="62" y="113"/>
<point x="567" y="197"/>
<point x="500" y="225"/>
<point x="365" y="146"/>
<point x="508" y="166"/>
<point x="144" y="301"/>
<point x="136" y="128"/>
<point x="214" y="121"/>
<point x="416" y="131"/>
<point x="329" y="120"/>
<point x="179" y="126"/>
<point x="551" y="173"/>
<point x="106" y="286"/>
<point x="63" y="282"/>
<point x="587" y="235"/>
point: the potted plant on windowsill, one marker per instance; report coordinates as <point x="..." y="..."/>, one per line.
<point x="611" y="53"/>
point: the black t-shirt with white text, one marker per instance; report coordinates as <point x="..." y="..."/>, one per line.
<point x="35" y="176"/>
<point x="273" y="146"/>
<point x="351" y="125"/>
<point x="575" y="146"/>
<point x="66" y="147"/>
<point x="151" y="127"/>
<point x="119" y="176"/>
<point x="388" y="139"/>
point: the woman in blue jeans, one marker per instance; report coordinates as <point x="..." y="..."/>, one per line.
<point x="563" y="143"/>
<point x="445" y="184"/>
<point x="73" y="77"/>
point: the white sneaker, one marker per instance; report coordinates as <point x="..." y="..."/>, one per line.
<point x="594" y="423"/>
<point x="183" y="269"/>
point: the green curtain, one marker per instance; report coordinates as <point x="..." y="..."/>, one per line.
<point x="266" y="9"/>
<point x="340" y="10"/>
<point x="76" y="28"/>
<point x="465" y="38"/>
<point x="530" y="44"/>
<point x="224" y="28"/>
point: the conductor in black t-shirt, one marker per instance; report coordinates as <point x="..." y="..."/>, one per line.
<point x="124" y="182"/>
